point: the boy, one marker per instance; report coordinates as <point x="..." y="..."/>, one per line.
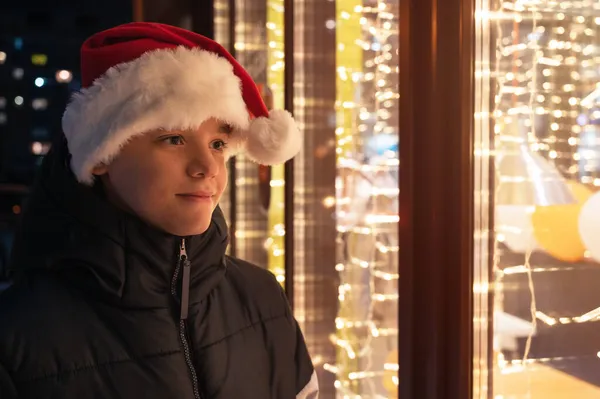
<point x="121" y="284"/>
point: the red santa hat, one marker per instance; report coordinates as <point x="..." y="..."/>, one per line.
<point x="143" y="76"/>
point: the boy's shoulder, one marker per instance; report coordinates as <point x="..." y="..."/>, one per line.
<point x="256" y="283"/>
<point x="244" y="270"/>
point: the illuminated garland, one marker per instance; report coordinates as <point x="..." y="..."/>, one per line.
<point x="545" y="54"/>
<point x="275" y="81"/>
<point x="366" y="105"/>
<point x="366" y="205"/>
<point x="550" y="58"/>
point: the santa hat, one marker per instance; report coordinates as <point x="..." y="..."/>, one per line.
<point x="143" y="76"/>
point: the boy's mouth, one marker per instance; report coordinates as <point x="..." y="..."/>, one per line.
<point x="197" y="196"/>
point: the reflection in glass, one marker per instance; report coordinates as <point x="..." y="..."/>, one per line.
<point x="259" y="48"/>
<point x="222" y="36"/>
<point x="536" y="150"/>
<point x="222" y="23"/>
<point x="315" y="277"/>
<point x="251" y="51"/>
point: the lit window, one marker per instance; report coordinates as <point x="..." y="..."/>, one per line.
<point x="39" y="59"/>
<point x="18" y="73"/>
<point x="39" y="148"/>
<point x="64" y="76"/>
<point x="18" y="43"/>
<point x="39" y="104"/>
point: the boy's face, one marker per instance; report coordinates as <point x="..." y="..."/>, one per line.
<point x="171" y="179"/>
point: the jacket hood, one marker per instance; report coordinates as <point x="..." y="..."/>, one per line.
<point x="72" y="230"/>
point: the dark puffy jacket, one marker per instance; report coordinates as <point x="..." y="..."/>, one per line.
<point x="104" y="306"/>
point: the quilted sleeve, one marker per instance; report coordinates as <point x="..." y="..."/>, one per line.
<point x="307" y="384"/>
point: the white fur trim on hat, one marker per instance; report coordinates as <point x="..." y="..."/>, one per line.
<point x="162" y="89"/>
<point x="273" y="140"/>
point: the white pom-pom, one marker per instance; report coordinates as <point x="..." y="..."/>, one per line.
<point x="273" y="140"/>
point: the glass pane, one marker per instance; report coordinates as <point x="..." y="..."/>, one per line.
<point x="259" y="199"/>
<point x="537" y="252"/>
<point x="274" y="92"/>
<point x="346" y="185"/>
<point x="346" y="181"/>
<point x="222" y="36"/>
<point x="222" y="23"/>
<point x="367" y="193"/>
<point x="315" y="277"/>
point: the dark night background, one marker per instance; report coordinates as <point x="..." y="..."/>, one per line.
<point x="38" y="40"/>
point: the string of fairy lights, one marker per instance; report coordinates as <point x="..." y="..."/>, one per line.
<point x="546" y="74"/>
<point x="366" y="203"/>
<point x="275" y="242"/>
<point x="367" y="185"/>
<point x="556" y="51"/>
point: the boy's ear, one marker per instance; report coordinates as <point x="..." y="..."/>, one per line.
<point x="100" y="169"/>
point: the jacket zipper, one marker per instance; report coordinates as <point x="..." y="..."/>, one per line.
<point x="184" y="262"/>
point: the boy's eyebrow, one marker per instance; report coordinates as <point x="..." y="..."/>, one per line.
<point x="226" y="128"/>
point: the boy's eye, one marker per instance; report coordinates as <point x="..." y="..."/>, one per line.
<point x="218" y="145"/>
<point x="173" y="140"/>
